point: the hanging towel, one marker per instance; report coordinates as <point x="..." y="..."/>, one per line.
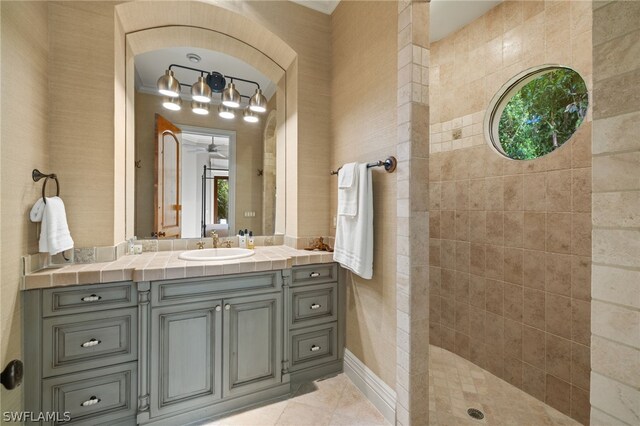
<point x="348" y="190"/>
<point x="354" y="234"/>
<point x="54" y="231"/>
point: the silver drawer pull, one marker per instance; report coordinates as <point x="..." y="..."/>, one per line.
<point x="227" y="307"/>
<point x="90" y="343"/>
<point x="91" y="401"/>
<point x="92" y="298"/>
<point x="314" y="274"/>
<point x="316" y="306"/>
<point x="218" y="308"/>
<point x="315" y="348"/>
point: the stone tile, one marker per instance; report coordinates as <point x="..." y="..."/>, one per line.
<point x="614" y="360"/>
<point x="558" y="274"/>
<point x="513" y="302"/>
<point x="495" y="227"/>
<point x="462" y="225"/>
<point x="581" y="234"/>
<point x="494" y="193"/>
<point x="533" y="381"/>
<point x="616" y="323"/>
<point x="513" y="340"/>
<point x="581" y="321"/>
<point x="533" y="347"/>
<point x="558" y="315"/>
<point x="558" y="357"/>
<point x="581" y="190"/>
<point x="513" y="193"/>
<point x="616" y="247"/>
<point x="558" y="394"/>
<point x="477" y="291"/>
<point x="534" y="307"/>
<point x="580" y="365"/>
<point x="581" y="278"/>
<point x="616" y="209"/>
<point x="558" y="192"/>
<point x="616" y="285"/>
<point x="558" y="232"/>
<point x="513" y="229"/>
<point x="534" y="269"/>
<point x="494" y="296"/>
<point x="477" y="226"/>
<point x="613" y="97"/>
<point x="615" y="397"/>
<point x="295" y="411"/>
<point x="615" y="134"/>
<point x="513" y="266"/>
<point x="534" y="192"/>
<point x="535" y="230"/>
<point x="580" y="406"/>
<point x="494" y="265"/>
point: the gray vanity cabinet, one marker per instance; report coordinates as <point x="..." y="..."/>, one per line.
<point x="252" y="345"/>
<point x="186" y="356"/>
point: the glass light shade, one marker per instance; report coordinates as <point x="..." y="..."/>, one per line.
<point x="173" y="104"/>
<point x="226" y="112"/>
<point x="200" y="108"/>
<point x="168" y="85"/>
<point x="200" y="91"/>
<point x="258" y="103"/>
<point x="230" y="96"/>
<point x="249" y="116"/>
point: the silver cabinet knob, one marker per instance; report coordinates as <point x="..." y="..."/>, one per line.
<point x="227" y="307"/>
<point x="90" y="343"/>
<point x="314" y="274"/>
<point x="218" y="308"/>
<point x="315" y="348"/>
<point x="316" y="306"/>
<point x="91" y="401"/>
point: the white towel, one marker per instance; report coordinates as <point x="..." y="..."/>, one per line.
<point x="54" y="231"/>
<point x="354" y="234"/>
<point x="348" y="190"/>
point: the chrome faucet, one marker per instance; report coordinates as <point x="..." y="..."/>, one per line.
<point x="215" y="238"/>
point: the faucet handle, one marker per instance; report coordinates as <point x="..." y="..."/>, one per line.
<point x="200" y="245"/>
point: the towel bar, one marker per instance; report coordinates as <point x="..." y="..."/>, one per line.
<point x="37" y="175"/>
<point x="389" y="165"/>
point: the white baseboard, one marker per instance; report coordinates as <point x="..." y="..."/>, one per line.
<point x="377" y="391"/>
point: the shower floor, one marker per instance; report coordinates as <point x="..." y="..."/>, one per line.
<point x="456" y="385"/>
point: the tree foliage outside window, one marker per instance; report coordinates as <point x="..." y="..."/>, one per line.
<point x="223" y="198"/>
<point x="543" y="114"/>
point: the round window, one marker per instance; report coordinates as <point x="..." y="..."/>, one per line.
<point x="536" y="112"/>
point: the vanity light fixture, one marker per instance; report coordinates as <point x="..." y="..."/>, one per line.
<point x="226" y="112"/>
<point x="210" y="82"/>
<point x="200" y="108"/>
<point x="173" y="104"/>
<point x="169" y="85"/>
<point x="200" y="91"/>
<point x="230" y="96"/>
<point x="249" y="116"/>
<point x="258" y="103"/>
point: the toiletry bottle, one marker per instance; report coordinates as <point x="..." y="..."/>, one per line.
<point x="251" y="244"/>
<point x="242" y="240"/>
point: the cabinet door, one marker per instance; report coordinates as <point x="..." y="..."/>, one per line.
<point x="186" y="354"/>
<point x="252" y="343"/>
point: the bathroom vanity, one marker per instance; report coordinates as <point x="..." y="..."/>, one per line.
<point x="180" y="350"/>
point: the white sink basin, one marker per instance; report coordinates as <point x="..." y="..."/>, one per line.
<point x="216" y="254"/>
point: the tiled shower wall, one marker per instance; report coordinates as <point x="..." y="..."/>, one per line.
<point x="615" y="351"/>
<point x="510" y="247"/>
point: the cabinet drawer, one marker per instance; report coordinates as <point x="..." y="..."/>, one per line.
<point x="200" y="290"/>
<point x="314" y="274"/>
<point x="87" y="298"/>
<point x="312" y="305"/>
<point x="93" y="397"/>
<point x="78" y="342"/>
<point x="313" y="346"/>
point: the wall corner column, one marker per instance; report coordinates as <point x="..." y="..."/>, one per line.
<point x="412" y="276"/>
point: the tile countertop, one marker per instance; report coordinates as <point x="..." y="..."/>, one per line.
<point x="165" y="265"/>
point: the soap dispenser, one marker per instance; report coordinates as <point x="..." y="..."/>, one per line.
<point x="251" y="242"/>
<point x="242" y="240"/>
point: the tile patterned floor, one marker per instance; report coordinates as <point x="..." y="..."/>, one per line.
<point x="334" y="401"/>
<point x="455" y="385"/>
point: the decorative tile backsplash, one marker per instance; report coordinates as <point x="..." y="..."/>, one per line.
<point x="461" y="132"/>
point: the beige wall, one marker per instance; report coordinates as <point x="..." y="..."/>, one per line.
<point x="615" y="311"/>
<point x="363" y="122"/>
<point x="25" y="146"/>
<point x="249" y="154"/>
<point x="511" y="240"/>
